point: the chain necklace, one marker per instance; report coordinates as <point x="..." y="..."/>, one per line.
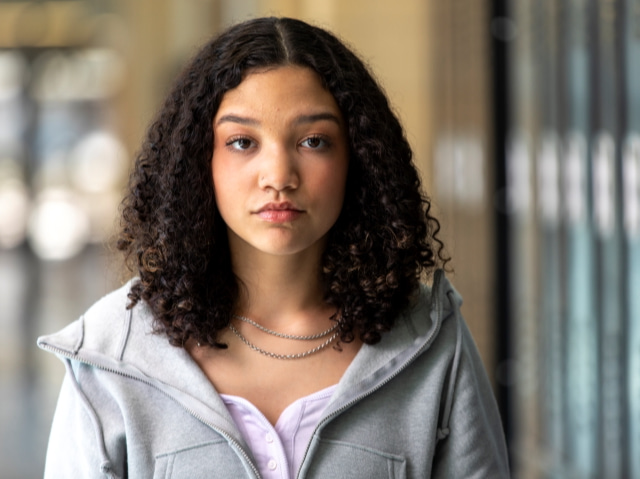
<point x="287" y="336"/>
<point x="284" y="356"/>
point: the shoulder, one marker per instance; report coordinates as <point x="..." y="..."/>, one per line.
<point x="435" y="307"/>
<point x="113" y="303"/>
<point x="426" y="336"/>
<point x="102" y="328"/>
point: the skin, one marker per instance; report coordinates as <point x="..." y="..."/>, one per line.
<point x="280" y="162"/>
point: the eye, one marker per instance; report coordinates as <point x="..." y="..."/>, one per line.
<point x="315" y="142"/>
<point x="241" y="143"/>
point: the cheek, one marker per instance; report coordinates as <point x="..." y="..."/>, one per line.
<point x="330" y="185"/>
<point x="222" y="184"/>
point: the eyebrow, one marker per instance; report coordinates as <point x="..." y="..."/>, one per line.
<point x="317" y="117"/>
<point x="302" y="119"/>
<point x="237" y="119"/>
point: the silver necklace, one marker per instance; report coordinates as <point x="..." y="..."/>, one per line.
<point x="287" y="336"/>
<point x="283" y="356"/>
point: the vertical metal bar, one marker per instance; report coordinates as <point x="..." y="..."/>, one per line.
<point x="606" y="183"/>
<point x="630" y="59"/>
<point x="500" y="93"/>
<point x="581" y="347"/>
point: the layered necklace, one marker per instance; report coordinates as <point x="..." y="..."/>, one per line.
<point x="328" y="332"/>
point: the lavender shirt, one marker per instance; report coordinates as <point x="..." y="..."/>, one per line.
<point x="279" y="450"/>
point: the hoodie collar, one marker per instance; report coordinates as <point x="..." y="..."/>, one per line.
<point x="412" y="334"/>
<point x="121" y="340"/>
<point x="113" y="338"/>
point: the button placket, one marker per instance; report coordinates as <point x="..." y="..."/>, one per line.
<point x="275" y="451"/>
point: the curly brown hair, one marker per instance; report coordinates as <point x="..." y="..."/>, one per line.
<point x="173" y="235"/>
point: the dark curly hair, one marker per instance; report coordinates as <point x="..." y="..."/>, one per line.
<point x="173" y="235"/>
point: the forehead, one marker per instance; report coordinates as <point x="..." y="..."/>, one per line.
<point x="278" y="91"/>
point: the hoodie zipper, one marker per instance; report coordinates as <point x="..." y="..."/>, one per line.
<point x="359" y="398"/>
<point x="226" y="435"/>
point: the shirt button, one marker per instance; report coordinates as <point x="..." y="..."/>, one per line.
<point x="269" y="438"/>
<point x="272" y="464"/>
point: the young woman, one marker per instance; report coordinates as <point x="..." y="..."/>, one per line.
<point x="277" y="327"/>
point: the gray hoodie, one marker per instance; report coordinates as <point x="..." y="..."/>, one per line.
<point x="416" y="405"/>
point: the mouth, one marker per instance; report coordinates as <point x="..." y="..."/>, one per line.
<point x="279" y="212"/>
<point x="284" y="206"/>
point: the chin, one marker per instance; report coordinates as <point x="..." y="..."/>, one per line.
<point x="290" y="249"/>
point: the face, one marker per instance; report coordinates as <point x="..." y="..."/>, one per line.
<point x="280" y="160"/>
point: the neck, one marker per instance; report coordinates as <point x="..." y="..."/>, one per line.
<point x="281" y="292"/>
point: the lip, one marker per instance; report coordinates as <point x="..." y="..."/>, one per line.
<point x="279" y="212"/>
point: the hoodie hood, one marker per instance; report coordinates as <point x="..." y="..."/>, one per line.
<point x="113" y="338"/>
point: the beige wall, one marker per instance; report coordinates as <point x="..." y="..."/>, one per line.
<point x="460" y="69"/>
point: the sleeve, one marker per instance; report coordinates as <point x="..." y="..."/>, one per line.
<point x="77" y="445"/>
<point x="471" y="439"/>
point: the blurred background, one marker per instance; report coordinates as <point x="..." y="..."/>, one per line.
<point x="524" y="116"/>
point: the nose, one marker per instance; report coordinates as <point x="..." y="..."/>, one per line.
<point x="278" y="169"/>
